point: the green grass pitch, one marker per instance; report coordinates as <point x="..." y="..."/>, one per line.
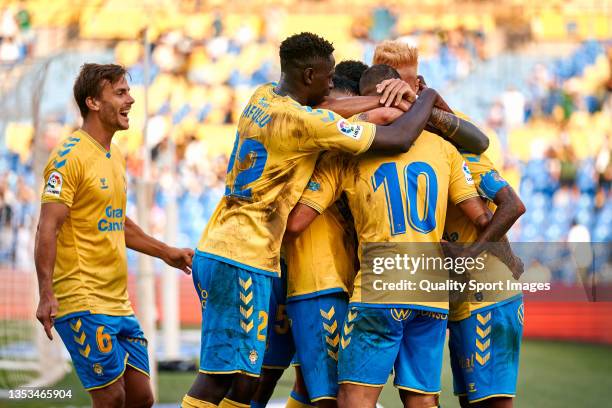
<point x="552" y="375"/>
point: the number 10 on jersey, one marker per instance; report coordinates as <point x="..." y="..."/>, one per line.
<point x="387" y="176"/>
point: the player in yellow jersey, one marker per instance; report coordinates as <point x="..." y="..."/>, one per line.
<point x="362" y="374"/>
<point x="330" y="234"/>
<point x="486" y="327"/>
<point x="81" y="247"/>
<point x="491" y="383"/>
<point x="320" y="275"/>
<point x="278" y="140"/>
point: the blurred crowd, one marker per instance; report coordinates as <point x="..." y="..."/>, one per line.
<point x="16" y="34"/>
<point x="199" y="83"/>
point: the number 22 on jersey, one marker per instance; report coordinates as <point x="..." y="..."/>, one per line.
<point x="247" y="161"/>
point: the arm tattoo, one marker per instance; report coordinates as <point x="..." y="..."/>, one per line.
<point x="503" y="251"/>
<point x="458" y="131"/>
<point x="447" y="123"/>
<point x="363" y="117"/>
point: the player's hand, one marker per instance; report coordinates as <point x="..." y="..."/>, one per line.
<point x="421" y="83"/>
<point x="393" y="91"/>
<point x="46" y="312"/>
<point x="180" y="258"/>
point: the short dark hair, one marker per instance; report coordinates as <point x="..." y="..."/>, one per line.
<point x="90" y="82"/>
<point x="375" y="75"/>
<point x="342" y="83"/>
<point x="301" y="49"/>
<point x="351" y="69"/>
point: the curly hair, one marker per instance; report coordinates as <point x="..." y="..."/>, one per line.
<point x="345" y="84"/>
<point x="90" y="82"/>
<point x="301" y="49"/>
<point x="351" y="69"/>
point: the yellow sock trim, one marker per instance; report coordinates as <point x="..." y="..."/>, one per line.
<point x="190" y="402"/>
<point x="293" y="403"/>
<point x="228" y="403"/>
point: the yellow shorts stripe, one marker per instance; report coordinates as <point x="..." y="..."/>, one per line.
<point x="416" y="390"/>
<point x="493" y="396"/>
<point x="138" y="369"/>
<point x="325" y="397"/>
<point x="360" y="383"/>
<point x="230" y="372"/>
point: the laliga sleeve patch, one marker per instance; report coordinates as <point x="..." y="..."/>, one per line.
<point x="54" y="184"/>
<point x="467" y="174"/>
<point x="490" y="184"/>
<point x="352" y="130"/>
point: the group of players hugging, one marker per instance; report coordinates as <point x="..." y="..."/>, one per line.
<point x="329" y="159"/>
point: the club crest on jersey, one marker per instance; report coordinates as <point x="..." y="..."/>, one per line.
<point x="468" y="174"/>
<point x="97" y="368"/>
<point x="351" y="130"/>
<point x="54" y="184"/>
<point x="253" y="357"/>
<point x="103" y="184"/>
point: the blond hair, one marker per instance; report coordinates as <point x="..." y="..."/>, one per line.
<point x="396" y="54"/>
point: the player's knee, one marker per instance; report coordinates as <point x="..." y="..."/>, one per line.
<point x="144" y="401"/>
<point x="109" y="397"/>
<point x="267" y="382"/>
<point x="270" y="376"/>
<point x="344" y="398"/>
<point x="243" y="388"/>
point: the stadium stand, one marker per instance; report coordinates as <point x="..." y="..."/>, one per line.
<point x="547" y="110"/>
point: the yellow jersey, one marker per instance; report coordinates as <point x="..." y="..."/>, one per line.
<point x="90" y="272"/>
<point x="460" y="229"/>
<point x="277" y="144"/>
<point x="432" y="171"/>
<point x="322" y="259"/>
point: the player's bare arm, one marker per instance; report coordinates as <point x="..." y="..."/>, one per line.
<point x="52" y="217"/>
<point x="381" y="116"/>
<point x="493" y="229"/>
<point x="459" y="131"/>
<point x="402" y="133"/>
<point x="509" y="209"/>
<point x="136" y="239"/>
<point x="444" y="123"/>
<point x="299" y="219"/>
<point x="352" y="105"/>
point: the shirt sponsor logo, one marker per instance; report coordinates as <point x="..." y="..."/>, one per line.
<point x="54" y="184"/>
<point x="113" y="220"/>
<point x="351" y="130"/>
<point x="468" y="174"/>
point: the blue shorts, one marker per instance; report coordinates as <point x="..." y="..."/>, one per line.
<point x="316" y="324"/>
<point x="235" y="305"/>
<point x="484" y="351"/>
<point x="376" y="340"/>
<point x="279" y="348"/>
<point x="101" y="345"/>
